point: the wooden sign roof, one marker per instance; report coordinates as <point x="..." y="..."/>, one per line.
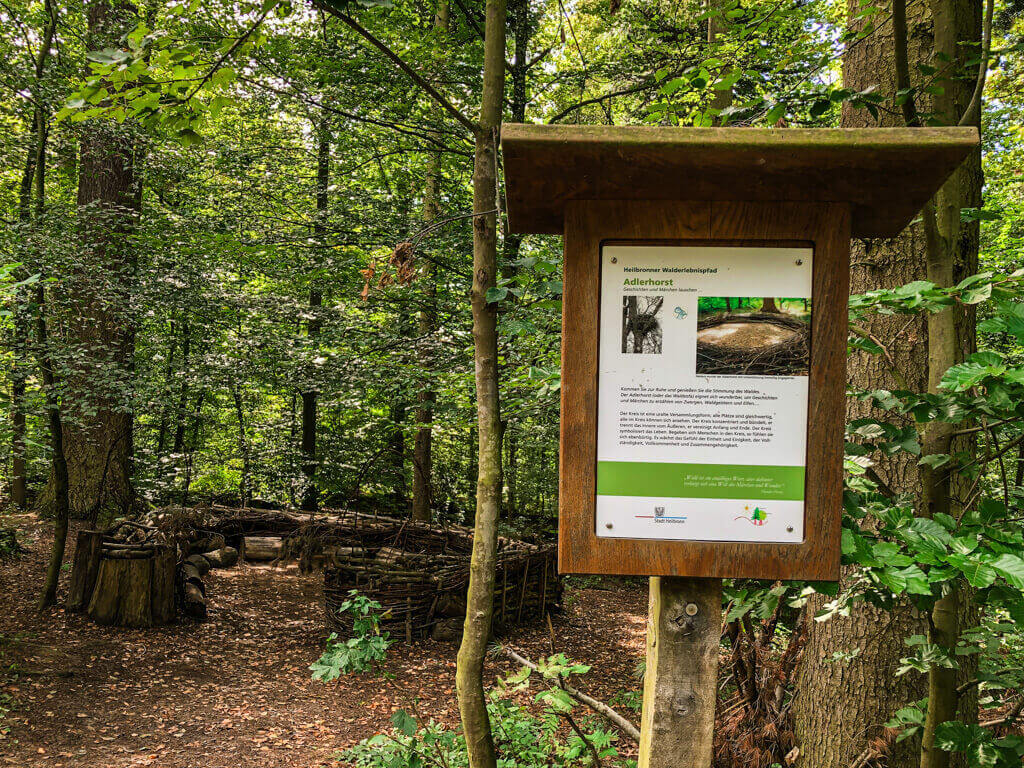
<point x="885" y="174"/>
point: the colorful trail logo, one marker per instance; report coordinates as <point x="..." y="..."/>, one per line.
<point x="680" y="313"/>
<point x="757" y="517"/>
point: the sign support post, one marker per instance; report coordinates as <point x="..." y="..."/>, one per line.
<point x="704" y="342"/>
<point x="684" y="625"/>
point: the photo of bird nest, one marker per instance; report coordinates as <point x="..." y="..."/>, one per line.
<point x="746" y="336"/>
<point x="641" y="325"/>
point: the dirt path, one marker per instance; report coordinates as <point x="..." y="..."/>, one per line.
<point x="235" y="691"/>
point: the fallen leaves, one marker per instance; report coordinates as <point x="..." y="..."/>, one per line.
<point x="235" y="691"/>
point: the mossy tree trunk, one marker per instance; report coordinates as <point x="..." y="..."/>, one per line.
<point x="99" y="324"/>
<point x="480" y="595"/>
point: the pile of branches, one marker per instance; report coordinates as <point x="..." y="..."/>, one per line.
<point x="423" y="593"/>
<point x="787" y="358"/>
<point x="755" y="722"/>
<point x="417" y="571"/>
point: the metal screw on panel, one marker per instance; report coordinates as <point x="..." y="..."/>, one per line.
<point x="608" y="526"/>
<point x="799" y="262"/>
<point x="789" y="529"/>
<point x="614" y="260"/>
<point x="691" y="609"/>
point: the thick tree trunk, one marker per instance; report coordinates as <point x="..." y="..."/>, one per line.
<point x="841" y="705"/>
<point x="480" y="595"/>
<point x="100" y="325"/>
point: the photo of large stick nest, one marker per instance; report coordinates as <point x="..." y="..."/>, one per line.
<point x="748" y="336"/>
<point x="641" y="325"/>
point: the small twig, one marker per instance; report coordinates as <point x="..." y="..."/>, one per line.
<point x="399" y="62"/>
<point x="227" y="55"/>
<point x="600" y="707"/>
<point x="572" y="724"/>
<point x="1006" y="719"/>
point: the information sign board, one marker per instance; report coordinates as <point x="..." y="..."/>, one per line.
<point x="703" y="392"/>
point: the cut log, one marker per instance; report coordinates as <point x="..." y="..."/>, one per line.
<point x="261" y="548"/>
<point x="164" y="567"/>
<point x="194" y="601"/>
<point x="126" y="588"/>
<point x="225" y="557"/>
<point x="200" y="563"/>
<point x="85" y="568"/>
<point x="206" y="544"/>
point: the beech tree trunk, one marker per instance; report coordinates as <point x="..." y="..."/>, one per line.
<point x="843" y="701"/>
<point x="480" y="595"/>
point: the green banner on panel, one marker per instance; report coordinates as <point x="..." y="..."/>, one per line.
<point x="699" y="481"/>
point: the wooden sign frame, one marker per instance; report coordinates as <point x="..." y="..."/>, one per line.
<point x="589" y="224"/>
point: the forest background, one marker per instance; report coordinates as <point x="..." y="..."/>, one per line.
<point x="239" y="240"/>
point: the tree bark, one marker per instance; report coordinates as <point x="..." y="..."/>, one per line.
<point x="135" y="592"/>
<point x="841" y="705"/>
<point x="311" y="494"/>
<point x="84" y="569"/>
<point x="422" y="469"/>
<point x="100" y="325"/>
<point x="480" y="595"/>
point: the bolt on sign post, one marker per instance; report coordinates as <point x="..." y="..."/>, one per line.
<point x="704" y="337"/>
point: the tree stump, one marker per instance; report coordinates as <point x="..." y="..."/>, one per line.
<point x="134" y="587"/>
<point x="88" y="547"/>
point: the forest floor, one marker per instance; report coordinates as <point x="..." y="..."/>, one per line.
<point x="235" y="691"/>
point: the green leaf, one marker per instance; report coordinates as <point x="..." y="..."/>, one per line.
<point x="775" y="114"/>
<point x="188" y="137"/>
<point x="1011" y="568"/>
<point x="403" y="722"/>
<point x="496" y="294"/>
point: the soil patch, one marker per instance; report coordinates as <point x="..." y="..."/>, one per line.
<point x="235" y="692"/>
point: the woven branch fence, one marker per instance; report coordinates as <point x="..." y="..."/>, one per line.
<point x="788" y="357"/>
<point x="417" y="571"/>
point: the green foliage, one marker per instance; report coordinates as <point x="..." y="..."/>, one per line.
<point x="982" y="749"/>
<point x="363" y="651"/>
<point x="9" y="544"/>
<point x="525" y="737"/>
